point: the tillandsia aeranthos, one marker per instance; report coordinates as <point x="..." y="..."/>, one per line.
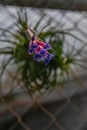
<point x="39" y="48"/>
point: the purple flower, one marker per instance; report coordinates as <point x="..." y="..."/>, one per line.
<point x="48" y="59"/>
<point x="46" y="62"/>
<point x="40" y="49"/>
<point x="34" y="45"/>
<point x="43" y="52"/>
<point x="30" y="51"/>
<point x="50" y="56"/>
<point x="36" y="56"/>
<point x="47" y="46"/>
<point x="32" y="48"/>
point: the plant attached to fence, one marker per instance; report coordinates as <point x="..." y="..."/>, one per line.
<point x="36" y="76"/>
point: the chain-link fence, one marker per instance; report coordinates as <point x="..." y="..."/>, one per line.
<point x="65" y="107"/>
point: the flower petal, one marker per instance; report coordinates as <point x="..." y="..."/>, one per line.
<point x="30" y="51"/>
<point x="46" y="62"/>
<point x="43" y="52"/>
<point x="47" y="46"/>
<point x="48" y="59"/>
<point x="36" y="56"/>
<point x="34" y="45"/>
<point x="50" y="56"/>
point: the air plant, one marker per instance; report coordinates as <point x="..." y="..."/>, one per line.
<point x="36" y="76"/>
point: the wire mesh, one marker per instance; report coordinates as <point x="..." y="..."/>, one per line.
<point x="67" y="112"/>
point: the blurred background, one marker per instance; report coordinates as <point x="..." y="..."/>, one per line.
<point x="34" y="96"/>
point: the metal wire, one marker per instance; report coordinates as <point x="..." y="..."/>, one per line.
<point x="69" y="20"/>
